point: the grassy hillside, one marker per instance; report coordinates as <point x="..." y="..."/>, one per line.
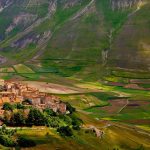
<point x="88" y="34"/>
<point x="131" y="47"/>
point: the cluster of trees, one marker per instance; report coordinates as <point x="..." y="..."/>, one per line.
<point x="9" y="139"/>
<point x="11" y="107"/>
<point x="6" y="137"/>
<point x="19" y="115"/>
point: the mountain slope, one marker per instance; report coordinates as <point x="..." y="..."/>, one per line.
<point x="131" y="48"/>
<point x="92" y="32"/>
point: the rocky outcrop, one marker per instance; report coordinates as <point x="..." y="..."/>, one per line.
<point x="23" y="42"/>
<point x="52" y="7"/>
<point x="104" y="55"/>
<point x="97" y="132"/>
<point x="71" y="3"/>
<point x="2" y="59"/>
<point x="4" y="4"/>
<point x="31" y="38"/>
<point x="88" y="8"/>
<point x="22" y="19"/>
<point x="123" y="4"/>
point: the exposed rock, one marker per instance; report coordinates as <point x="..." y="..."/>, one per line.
<point x="97" y="132"/>
<point x="22" y="19"/>
<point x="123" y="4"/>
<point x="71" y="3"/>
<point x="104" y="56"/>
<point x="31" y="38"/>
<point x="32" y="3"/>
<point x="52" y="7"/>
<point x="23" y="42"/>
<point x="4" y="4"/>
<point x="88" y="8"/>
<point x="2" y="59"/>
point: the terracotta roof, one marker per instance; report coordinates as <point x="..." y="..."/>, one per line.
<point x="5" y="99"/>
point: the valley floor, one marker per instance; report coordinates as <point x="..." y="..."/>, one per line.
<point x="122" y="113"/>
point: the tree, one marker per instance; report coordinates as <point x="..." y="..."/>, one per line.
<point x="7" y="141"/>
<point x="20" y="106"/>
<point x="76" y="122"/>
<point x="49" y="112"/>
<point x="66" y="119"/>
<point x="70" y="108"/>
<point x="7" y="117"/>
<point x="24" y="142"/>
<point x="52" y="122"/>
<point x="17" y="119"/>
<point x="65" y="131"/>
<point x="35" y="117"/>
<point x="6" y="136"/>
<point x="8" y="106"/>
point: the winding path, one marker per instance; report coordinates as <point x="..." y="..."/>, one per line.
<point x="123" y="106"/>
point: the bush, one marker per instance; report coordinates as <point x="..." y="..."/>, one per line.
<point x="70" y="108"/>
<point x="8" y="106"/>
<point x="20" y="106"/>
<point x="65" y="131"/>
<point x="66" y="119"/>
<point x="75" y="120"/>
<point x="24" y="142"/>
<point x="17" y="119"/>
<point x="76" y="127"/>
<point x="49" y="112"/>
<point x="5" y="140"/>
<point x="52" y="122"/>
<point x="35" y="117"/>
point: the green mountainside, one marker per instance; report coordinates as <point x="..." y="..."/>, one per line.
<point x="100" y="33"/>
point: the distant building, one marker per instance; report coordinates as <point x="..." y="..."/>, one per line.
<point x="2" y="82"/>
<point x="15" y="92"/>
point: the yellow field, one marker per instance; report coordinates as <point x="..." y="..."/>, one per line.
<point x="21" y="68"/>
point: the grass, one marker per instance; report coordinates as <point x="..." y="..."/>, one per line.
<point x="21" y="68"/>
<point x="132" y="74"/>
<point x="115" y="137"/>
<point x="7" y="70"/>
<point x="48" y="138"/>
<point x="83" y="101"/>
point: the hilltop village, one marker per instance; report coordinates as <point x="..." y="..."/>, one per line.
<point x="15" y="92"/>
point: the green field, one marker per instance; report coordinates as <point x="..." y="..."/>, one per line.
<point x="20" y="68"/>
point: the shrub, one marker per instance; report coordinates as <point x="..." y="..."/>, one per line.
<point x="66" y="119"/>
<point x="5" y="140"/>
<point x="20" y="106"/>
<point x="8" y="106"/>
<point x="17" y="119"/>
<point x="76" y="127"/>
<point x="49" y="112"/>
<point x="35" y="117"/>
<point x="76" y="121"/>
<point x="24" y="142"/>
<point x="52" y="122"/>
<point x="70" y="108"/>
<point x="65" y="131"/>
